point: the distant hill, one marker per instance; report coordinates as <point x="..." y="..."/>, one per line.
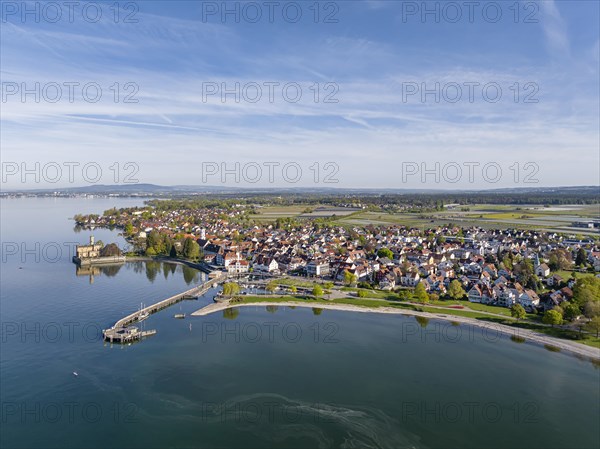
<point x="153" y="189"/>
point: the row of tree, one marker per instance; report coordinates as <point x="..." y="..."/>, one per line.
<point x="160" y="244"/>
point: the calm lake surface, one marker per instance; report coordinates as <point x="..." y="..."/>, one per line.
<point x="282" y="377"/>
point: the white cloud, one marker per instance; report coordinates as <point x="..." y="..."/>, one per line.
<point x="555" y="28"/>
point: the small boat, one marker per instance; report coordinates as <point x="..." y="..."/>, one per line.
<point x="75" y="373"/>
<point x="142" y="315"/>
<point x="179" y="315"/>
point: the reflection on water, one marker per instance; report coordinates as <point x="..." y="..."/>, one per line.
<point x="97" y="270"/>
<point x="231" y="314"/>
<point x="150" y="268"/>
<point x="423" y="322"/>
<point x="517" y="339"/>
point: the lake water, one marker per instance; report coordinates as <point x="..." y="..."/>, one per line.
<point x="282" y="377"/>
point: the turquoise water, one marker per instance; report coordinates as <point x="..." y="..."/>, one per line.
<point x="254" y="377"/>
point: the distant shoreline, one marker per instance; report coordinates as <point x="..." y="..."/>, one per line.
<point x="568" y="346"/>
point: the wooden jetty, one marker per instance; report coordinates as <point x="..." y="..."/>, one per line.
<point x="121" y="332"/>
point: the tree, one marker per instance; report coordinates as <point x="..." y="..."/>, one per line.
<point x="128" y="229"/>
<point x="552" y="317"/>
<point x="230" y="289"/>
<point x="586" y="289"/>
<point x="168" y="244"/>
<point x="524" y="272"/>
<point x="559" y="309"/>
<point x="361" y="294"/>
<point x="293" y="289"/>
<point x="456" y="290"/>
<point x="173" y="252"/>
<point x="110" y="250"/>
<point x="191" y="249"/>
<point x="154" y="243"/>
<point x="328" y="285"/>
<point x="559" y="259"/>
<point x="271" y="286"/>
<point x="594" y="325"/>
<point x="385" y="252"/>
<point x="581" y="257"/>
<point x="349" y="278"/>
<point x="517" y="311"/>
<point x="592" y="309"/>
<point x="572" y="311"/>
<point x="420" y="294"/>
<point x="403" y="295"/>
<point x="317" y="291"/>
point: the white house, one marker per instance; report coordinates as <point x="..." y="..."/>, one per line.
<point x="265" y="264"/>
<point x="317" y="267"/>
<point x="481" y="293"/>
<point x="410" y="279"/>
<point x="239" y="266"/>
<point x="507" y="297"/>
<point x="529" y="299"/>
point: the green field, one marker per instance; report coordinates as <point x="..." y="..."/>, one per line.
<point x="555" y="219"/>
<point x="272" y="213"/>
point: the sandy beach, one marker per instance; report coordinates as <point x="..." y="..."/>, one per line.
<point x="493" y="328"/>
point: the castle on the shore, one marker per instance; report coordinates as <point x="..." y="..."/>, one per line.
<point x="92" y="254"/>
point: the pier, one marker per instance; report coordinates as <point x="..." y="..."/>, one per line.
<point x="121" y="333"/>
<point x="126" y="334"/>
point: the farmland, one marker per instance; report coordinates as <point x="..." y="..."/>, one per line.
<point x="554" y="219"/>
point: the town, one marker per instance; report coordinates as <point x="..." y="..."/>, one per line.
<point x="545" y="275"/>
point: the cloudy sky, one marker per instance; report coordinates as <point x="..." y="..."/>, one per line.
<point x="372" y="94"/>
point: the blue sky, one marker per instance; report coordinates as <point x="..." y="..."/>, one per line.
<point x="367" y="56"/>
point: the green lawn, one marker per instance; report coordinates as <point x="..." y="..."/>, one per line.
<point x="474" y="306"/>
<point x="482" y="308"/>
<point x="297" y="282"/>
<point x="566" y="275"/>
<point x="303" y="299"/>
<point x="377" y="294"/>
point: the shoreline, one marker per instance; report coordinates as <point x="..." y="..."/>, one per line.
<point x="571" y="347"/>
<point x="531" y="336"/>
